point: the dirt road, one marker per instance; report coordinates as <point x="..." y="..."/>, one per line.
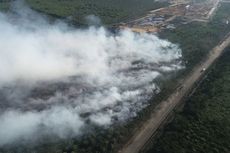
<point x="163" y="109"/>
<point x="213" y="10"/>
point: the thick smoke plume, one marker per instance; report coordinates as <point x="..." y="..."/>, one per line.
<point x="56" y="79"/>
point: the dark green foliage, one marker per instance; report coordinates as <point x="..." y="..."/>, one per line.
<point x="4" y="5"/>
<point x="204" y="125"/>
<point x="196" y="39"/>
<point x="110" y="11"/>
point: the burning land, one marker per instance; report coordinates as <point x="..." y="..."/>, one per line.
<point x="57" y="80"/>
<point x="74" y="89"/>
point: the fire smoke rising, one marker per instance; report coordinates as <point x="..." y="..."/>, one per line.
<point x="56" y="79"/>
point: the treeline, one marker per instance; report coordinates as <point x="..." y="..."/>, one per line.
<point x="6" y="1"/>
<point x="110" y="11"/>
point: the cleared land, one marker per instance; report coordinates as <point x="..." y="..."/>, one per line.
<point x="160" y="19"/>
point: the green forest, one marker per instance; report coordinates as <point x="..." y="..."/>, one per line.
<point x="204" y="125"/>
<point x="109" y="11"/>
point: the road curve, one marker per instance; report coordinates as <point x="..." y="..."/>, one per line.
<point x="162" y="110"/>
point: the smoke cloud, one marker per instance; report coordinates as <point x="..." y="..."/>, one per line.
<point x="93" y="20"/>
<point x="56" y="79"/>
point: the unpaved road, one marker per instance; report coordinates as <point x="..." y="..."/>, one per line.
<point x="163" y="109"/>
<point x="213" y="10"/>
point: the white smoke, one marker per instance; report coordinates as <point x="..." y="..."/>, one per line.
<point x="56" y="79"/>
<point x="93" y="20"/>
